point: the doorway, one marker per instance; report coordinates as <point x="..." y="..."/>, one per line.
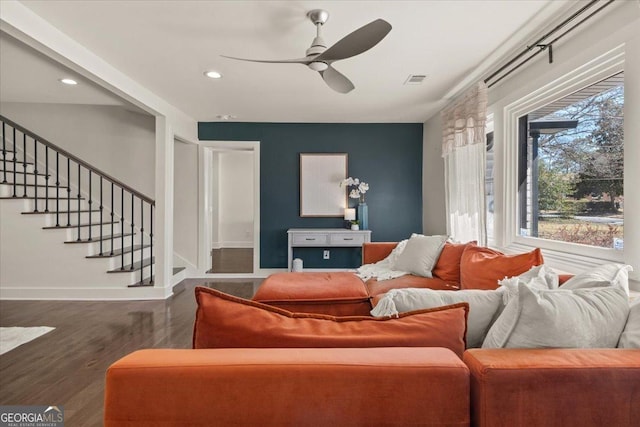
<point x="230" y="195"/>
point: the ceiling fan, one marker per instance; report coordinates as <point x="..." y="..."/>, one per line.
<point x="320" y="58"/>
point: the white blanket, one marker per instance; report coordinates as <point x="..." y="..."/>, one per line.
<point x="383" y="270"/>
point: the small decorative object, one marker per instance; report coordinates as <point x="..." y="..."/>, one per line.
<point x="350" y="216"/>
<point x="358" y="190"/>
<point x="355" y="226"/>
<point x="297" y="265"/>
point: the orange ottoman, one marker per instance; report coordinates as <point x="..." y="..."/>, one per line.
<point x="335" y="294"/>
<point x="288" y="388"/>
<point x="554" y="387"/>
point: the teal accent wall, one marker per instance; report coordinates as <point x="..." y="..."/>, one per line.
<point x="386" y="155"/>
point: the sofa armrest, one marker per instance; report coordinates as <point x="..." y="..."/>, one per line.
<point x="554" y="387"/>
<point x="376" y="251"/>
<point x="288" y="387"/>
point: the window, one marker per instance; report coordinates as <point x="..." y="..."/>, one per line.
<point x="570" y="167"/>
<point x="489" y="187"/>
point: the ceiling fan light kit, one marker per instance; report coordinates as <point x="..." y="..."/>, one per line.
<point x="320" y="58"/>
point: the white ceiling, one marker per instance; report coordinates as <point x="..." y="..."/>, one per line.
<point x="167" y="45"/>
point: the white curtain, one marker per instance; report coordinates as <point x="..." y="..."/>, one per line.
<point x="464" y="152"/>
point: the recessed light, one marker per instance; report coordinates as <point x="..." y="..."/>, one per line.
<point x="226" y="116"/>
<point x="68" y="81"/>
<point x="213" y="74"/>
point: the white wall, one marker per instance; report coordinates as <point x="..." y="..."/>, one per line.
<point x="185" y="205"/>
<point x="236" y="199"/>
<point x="113" y="139"/>
<point x="434" y="219"/>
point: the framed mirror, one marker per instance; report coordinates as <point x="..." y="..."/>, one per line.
<point x="320" y="191"/>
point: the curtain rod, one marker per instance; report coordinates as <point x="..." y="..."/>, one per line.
<point x="544" y="46"/>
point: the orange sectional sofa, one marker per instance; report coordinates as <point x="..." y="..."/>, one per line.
<point x="256" y="364"/>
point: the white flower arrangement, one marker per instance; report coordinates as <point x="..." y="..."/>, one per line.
<point x="360" y="189"/>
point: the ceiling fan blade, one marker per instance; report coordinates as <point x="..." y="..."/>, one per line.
<point x="359" y="41"/>
<point x="336" y="80"/>
<point x="304" y="60"/>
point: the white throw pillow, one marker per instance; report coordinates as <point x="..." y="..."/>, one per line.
<point x="580" y="318"/>
<point x="420" y="254"/>
<point x="630" y="337"/>
<point x="483" y="306"/>
<point x="538" y="277"/>
<point x="603" y="275"/>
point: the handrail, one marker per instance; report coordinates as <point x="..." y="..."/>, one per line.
<point x="78" y="160"/>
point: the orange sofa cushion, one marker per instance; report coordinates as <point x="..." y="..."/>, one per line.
<point x="335" y="294"/>
<point x="482" y="268"/>
<point x="288" y="388"/>
<point x="225" y="321"/>
<point x="448" y="266"/>
<point x="374" y="252"/>
<point x="554" y="387"/>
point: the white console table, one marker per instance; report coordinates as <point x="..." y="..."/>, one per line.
<point x="325" y="237"/>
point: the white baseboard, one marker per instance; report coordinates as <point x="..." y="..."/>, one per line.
<point x="234" y="244"/>
<point x="85" y="294"/>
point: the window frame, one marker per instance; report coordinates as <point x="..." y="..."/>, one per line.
<point x="590" y="73"/>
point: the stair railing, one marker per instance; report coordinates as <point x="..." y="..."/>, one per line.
<point x="78" y="173"/>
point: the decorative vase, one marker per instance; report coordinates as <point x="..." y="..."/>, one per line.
<point x="363" y="216"/>
<point x="355" y="227"/>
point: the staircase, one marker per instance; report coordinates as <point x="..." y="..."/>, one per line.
<point x="75" y="224"/>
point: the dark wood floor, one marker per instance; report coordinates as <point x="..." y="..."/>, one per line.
<point x="232" y="260"/>
<point x="67" y="366"/>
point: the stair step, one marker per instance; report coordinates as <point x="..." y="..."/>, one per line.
<point x="177" y="270"/>
<point x="119" y="252"/>
<point x="136" y="266"/>
<point x="97" y="239"/>
<point x="61" y="212"/>
<point x="144" y="282"/>
<point x="53" y="227"/>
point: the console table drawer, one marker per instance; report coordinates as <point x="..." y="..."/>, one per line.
<point x="309" y="239"/>
<point x="346" y="239"/>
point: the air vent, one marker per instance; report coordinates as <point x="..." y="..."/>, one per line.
<point x="415" y="79"/>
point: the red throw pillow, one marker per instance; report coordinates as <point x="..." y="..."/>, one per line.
<point x="225" y="321"/>
<point x="448" y="266"/>
<point x="482" y="268"/>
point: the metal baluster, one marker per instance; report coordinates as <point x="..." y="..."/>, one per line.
<point x="46" y="178"/>
<point x="15" y="155"/>
<point x="35" y="173"/>
<point x="90" y="202"/>
<point x="68" y="193"/>
<point x="4" y="152"/>
<point x="101" y="208"/>
<point x="79" y="183"/>
<point x="24" y="164"/>
<point x="122" y="229"/>
<point x="57" y="189"/>
<point x="142" y="239"/>
<point x="132" y="234"/>
<point x="151" y="243"/>
<point x="112" y="209"/>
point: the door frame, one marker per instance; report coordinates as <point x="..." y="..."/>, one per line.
<point x="204" y="194"/>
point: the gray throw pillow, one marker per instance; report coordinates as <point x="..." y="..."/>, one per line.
<point x="420" y="254"/>
<point x="630" y="337"/>
<point x="483" y="306"/>
<point x="580" y="318"/>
